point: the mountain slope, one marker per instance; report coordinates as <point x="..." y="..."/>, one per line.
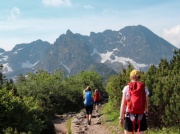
<point x="69" y="53"/>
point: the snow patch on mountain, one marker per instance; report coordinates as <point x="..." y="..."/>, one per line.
<point x="121" y="41"/>
<point x="66" y="67"/>
<point x="120" y="33"/>
<point x="126" y="61"/>
<point x="7" y="68"/>
<point x="4" y="58"/>
<point x="107" y="57"/>
<point x="18" y="50"/>
<point x="94" y="52"/>
<point x="27" y="64"/>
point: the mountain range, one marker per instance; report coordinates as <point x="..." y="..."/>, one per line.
<point x="105" y="52"/>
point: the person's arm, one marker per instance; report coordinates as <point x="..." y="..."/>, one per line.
<point x="122" y="109"/>
<point x="84" y="94"/>
<point x="147" y="101"/>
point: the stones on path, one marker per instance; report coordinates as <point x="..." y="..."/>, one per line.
<point x="79" y="123"/>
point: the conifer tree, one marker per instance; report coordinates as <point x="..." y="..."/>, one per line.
<point x="2" y="77"/>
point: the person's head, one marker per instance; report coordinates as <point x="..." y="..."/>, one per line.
<point x="88" y="88"/>
<point x="96" y="90"/>
<point x="135" y="75"/>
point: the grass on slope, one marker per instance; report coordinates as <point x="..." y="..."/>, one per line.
<point x="111" y="120"/>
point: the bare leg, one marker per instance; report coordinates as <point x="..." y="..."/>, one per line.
<point x="90" y="116"/>
<point x="127" y="132"/>
<point x="87" y="117"/>
<point x="96" y="108"/>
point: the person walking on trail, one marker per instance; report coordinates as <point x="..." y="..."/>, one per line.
<point x="88" y="102"/>
<point x="134" y="105"/>
<point x="97" y="97"/>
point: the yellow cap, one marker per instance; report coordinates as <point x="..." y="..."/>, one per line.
<point x="134" y="73"/>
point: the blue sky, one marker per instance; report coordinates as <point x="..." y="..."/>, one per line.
<point x="24" y="21"/>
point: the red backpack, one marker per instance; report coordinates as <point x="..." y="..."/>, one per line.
<point x="96" y="96"/>
<point x="136" y="98"/>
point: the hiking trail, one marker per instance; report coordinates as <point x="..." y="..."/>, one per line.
<point x="79" y="124"/>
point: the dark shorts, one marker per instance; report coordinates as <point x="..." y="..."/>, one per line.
<point x="128" y="125"/>
<point x="89" y="109"/>
<point x="96" y="102"/>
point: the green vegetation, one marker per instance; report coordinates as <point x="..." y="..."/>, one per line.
<point x="171" y="130"/>
<point x="111" y="119"/>
<point x="30" y="105"/>
<point x="69" y="125"/>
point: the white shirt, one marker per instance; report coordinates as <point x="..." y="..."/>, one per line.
<point x="126" y="88"/>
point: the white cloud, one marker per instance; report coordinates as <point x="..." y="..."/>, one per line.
<point x="14" y="13"/>
<point x="173" y="35"/>
<point x="88" y="7"/>
<point x="110" y="11"/>
<point x="57" y="3"/>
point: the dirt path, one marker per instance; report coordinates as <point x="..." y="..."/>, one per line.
<point x="60" y="124"/>
<point x="79" y="124"/>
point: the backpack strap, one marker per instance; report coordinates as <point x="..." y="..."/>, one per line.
<point x="140" y="116"/>
<point x="134" y="118"/>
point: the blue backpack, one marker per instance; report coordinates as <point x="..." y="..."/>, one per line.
<point x="88" y="99"/>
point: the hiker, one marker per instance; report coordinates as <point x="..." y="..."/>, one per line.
<point x="88" y="102"/>
<point x="97" y="97"/>
<point x="134" y="105"/>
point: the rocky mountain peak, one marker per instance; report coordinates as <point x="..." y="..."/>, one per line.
<point x="105" y="52"/>
<point x="68" y="32"/>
